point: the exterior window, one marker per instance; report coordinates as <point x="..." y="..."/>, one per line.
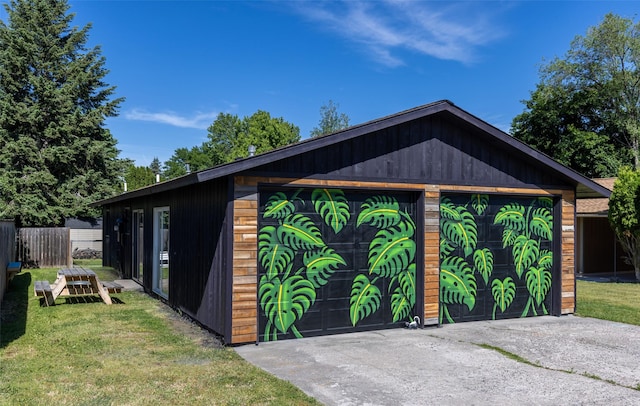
<point x="161" y="251"/>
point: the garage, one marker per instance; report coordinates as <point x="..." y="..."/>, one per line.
<point x="334" y="261"/>
<point x="496" y="256"/>
<point x="429" y="213"/>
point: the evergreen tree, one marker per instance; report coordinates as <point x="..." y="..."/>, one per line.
<point x="56" y="156"/>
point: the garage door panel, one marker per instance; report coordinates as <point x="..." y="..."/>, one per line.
<point x="337" y="274"/>
<point x="495" y="262"/>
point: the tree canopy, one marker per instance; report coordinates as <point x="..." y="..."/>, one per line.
<point x="624" y="215"/>
<point x="229" y="138"/>
<point x="330" y="120"/>
<point x="56" y="155"/>
<point x="584" y="111"/>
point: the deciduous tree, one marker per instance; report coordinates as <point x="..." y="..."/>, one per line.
<point x="56" y="156"/>
<point x="229" y="138"/>
<point x="624" y="215"/>
<point x="330" y="120"/>
<point x="586" y="109"/>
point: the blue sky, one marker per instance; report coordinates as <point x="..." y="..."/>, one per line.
<point x="180" y="63"/>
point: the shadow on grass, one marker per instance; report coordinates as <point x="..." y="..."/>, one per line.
<point x="86" y="299"/>
<point x="13" y="310"/>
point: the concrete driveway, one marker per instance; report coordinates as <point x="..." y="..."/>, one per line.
<point x="562" y="361"/>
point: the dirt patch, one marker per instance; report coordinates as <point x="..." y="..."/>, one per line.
<point x="186" y="326"/>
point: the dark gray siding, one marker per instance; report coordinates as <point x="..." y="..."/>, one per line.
<point x="437" y="149"/>
<point x="197" y="257"/>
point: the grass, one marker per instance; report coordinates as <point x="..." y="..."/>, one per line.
<point x="609" y="301"/>
<point x="129" y="353"/>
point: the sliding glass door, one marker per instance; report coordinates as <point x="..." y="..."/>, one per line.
<point x="161" y="251"/>
<point x="137" y="237"/>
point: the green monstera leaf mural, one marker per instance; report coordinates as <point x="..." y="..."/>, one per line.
<point x="446" y="248"/>
<point x="278" y="206"/>
<point x="458" y="226"/>
<point x="285" y="301"/>
<point x="503" y="291"/>
<point x="512" y="216"/>
<point x="272" y="254"/>
<point x="525" y="253"/>
<point x="392" y="250"/>
<point x="483" y="260"/>
<point x="541" y="223"/>
<point x="480" y="203"/>
<point x="380" y="212"/>
<point x="299" y="232"/>
<point x="332" y="206"/>
<point x="546" y="259"/>
<point x="457" y="285"/>
<point x="365" y="298"/>
<point x="321" y="264"/>
<point x="538" y="283"/>
<point x="404" y="295"/>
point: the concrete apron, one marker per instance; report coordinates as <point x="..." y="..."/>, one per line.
<point x="564" y="360"/>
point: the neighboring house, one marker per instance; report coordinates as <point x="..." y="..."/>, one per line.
<point x="430" y="212"/>
<point x="85" y="234"/>
<point x="598" y="250"/>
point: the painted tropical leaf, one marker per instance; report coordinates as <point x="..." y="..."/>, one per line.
<point x="278" y="206"/>
<point x="483" y="260"/>
<point x="392" y="250"/>
<point x="321" y="264"/>
<point x="299" y="232"/>
<point x="508" y="237"/>
<point x="503" y="291"/>
<point x="457" y="283"/>
<point x="546" y="202"/>
<point x="286" y="301"/>
<point x="273" y="255"/>
<point x="400" y="305"/>
<point x="546" y="259"/>
<point x="365" y="299"/>
<point x="380" y="212"/>
<point x="525" y="253"/>
<point x="448" y="210"/>
<point x="407" y="283"/>
<point x="480" y="203"/>
<point x="446" y="248"/>
<point x="541" y="223"/>
<point x="538" y="283"/>
<point x="511" y="216"/>
<point x="332" y="206"/>
<point x="461" y="233"/>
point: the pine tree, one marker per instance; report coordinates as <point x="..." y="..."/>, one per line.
<point x="56" y="157"/>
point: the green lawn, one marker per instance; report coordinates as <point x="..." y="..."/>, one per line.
<point x="609" y="301"/>
<point x="133" y="352"/>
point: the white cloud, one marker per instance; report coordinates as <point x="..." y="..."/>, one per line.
<point x="443" y="30"/>
<point x="200" y="121"/>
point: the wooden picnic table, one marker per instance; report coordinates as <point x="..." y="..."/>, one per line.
<point x="75" y="282"/>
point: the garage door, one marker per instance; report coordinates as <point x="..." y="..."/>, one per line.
<point x="333" y="261"/>
<point x="496" y="257"/>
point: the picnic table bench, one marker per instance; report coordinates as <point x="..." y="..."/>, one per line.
<point x="13" y="268"/>
<point x="75" y="282"/>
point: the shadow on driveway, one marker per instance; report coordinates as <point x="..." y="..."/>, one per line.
<point x="536" y="361"/>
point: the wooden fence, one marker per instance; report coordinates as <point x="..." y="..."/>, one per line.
<point x="44" y="247"/>
<point x="7" y="251"/>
